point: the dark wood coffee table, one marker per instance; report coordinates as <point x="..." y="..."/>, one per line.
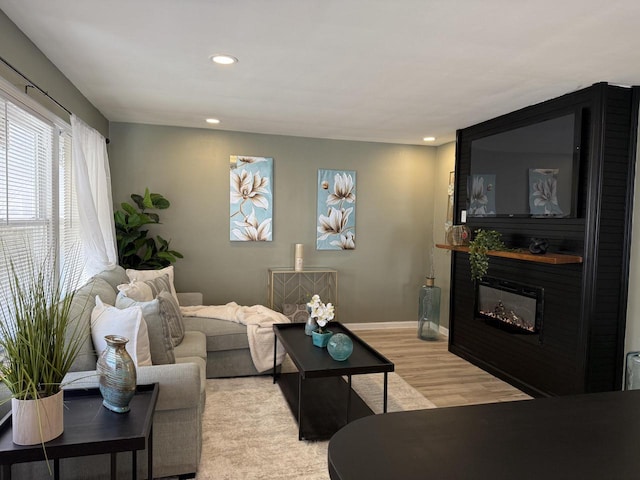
<point x="90" y="429"/>
<point x="321" y="400"/>
<point x="586" y="437"/>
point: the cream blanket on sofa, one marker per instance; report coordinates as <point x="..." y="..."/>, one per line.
<point x="258" y="319"/>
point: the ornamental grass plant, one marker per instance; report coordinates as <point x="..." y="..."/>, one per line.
<point x="38" y="338"/>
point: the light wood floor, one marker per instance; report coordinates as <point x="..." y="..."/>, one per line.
<point x="442" y="377"/>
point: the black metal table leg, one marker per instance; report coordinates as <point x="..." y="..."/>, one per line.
<point x="349" y="398"/>
<point x="150" y="454"/>
<point x="5" y="473"/>
<point x="299" y="406"/>
<point x="114" y="466"/>
<point x="275" y="346"/>
<point x="134" y="465"/>
<point x="56" y="468"/>
<point x="384" y="409"/>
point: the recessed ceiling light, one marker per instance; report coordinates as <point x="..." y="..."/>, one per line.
<point x="223" y="59"/>
<point x="214" y="121"/>
<point x="429" y="139"/>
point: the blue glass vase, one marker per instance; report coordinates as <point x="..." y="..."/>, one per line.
<point x="340" y="347"/>
<point x="429" y="311"/>
<point x="310" y="326"/>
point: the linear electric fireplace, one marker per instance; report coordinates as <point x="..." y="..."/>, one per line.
<point x="509" y="305"/>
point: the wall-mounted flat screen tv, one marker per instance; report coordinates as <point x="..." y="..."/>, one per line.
<point x="527" y="171"/>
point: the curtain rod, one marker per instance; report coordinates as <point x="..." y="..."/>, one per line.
<point x="33" y="85"/>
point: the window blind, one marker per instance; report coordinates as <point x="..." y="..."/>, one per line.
<point x="38" y="212"/>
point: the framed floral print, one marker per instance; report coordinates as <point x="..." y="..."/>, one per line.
<point x="336" y="216"/>
<point x="251" y="198"/>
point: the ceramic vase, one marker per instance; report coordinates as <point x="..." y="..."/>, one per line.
<point x="37" y="421"/>
<point x="321" y="339"/>
<point x="117" y="375"/>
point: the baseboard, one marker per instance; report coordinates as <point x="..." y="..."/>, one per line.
<point x="387" y="325"/>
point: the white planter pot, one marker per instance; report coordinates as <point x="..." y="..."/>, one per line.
<point x="37" y="421"/>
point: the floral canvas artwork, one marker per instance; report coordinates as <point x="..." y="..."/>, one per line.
<point x="251" y="198"/>
<point x="482" y="198"/>
<point x="336" y="219"/>
<point x="543" y="191"/>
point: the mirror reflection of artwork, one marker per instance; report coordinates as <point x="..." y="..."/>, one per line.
<point x="543" y="191"/>
<point x="482" y="198"/>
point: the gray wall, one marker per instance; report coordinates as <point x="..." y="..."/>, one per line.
<point x="378" y="281"/>
<point x="20" y="52"/>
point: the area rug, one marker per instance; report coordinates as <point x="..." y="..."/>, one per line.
<point x="249" y="432"/>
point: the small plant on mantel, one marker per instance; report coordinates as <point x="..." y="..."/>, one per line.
<point x="483" y="241"/>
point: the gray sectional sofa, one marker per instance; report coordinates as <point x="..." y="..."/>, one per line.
<point x="210" y="348"/>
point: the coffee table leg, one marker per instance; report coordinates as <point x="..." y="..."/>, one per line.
<point x="56" y="469"/>
<point x="384" y="409"/>
<point x="349" y="398"/>
<point x="114" y="466"/>
<point x="134" y="465"/>
<point x="150" y="454"/>
<point x="275" y="345"/>
<point x="299" y="406"/>
<point x="5" y="472"/>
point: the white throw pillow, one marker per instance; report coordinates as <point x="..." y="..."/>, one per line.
<point x="128" y="323"/>
<point x="138" y="291"/>
<point x="136" y="275"/>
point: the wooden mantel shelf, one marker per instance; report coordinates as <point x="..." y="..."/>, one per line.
<point x="550" y="258"/>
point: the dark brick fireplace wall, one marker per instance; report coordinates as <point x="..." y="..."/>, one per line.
<point x="584" y="304"/>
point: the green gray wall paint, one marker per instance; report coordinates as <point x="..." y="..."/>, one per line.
<point x="396" y="188"/>
<point x="20" y="52"/>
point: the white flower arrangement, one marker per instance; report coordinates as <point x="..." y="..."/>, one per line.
<point x="322" y="313"/>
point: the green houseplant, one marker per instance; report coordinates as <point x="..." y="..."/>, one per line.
<point x="39" y="340"/>
<point x="483" y="241"/>
<point x="135" y="248"/>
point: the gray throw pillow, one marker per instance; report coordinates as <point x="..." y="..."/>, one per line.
<point x="158" y="284"/>
<point x="160" y="342"/>
<point x="170" y="309"/>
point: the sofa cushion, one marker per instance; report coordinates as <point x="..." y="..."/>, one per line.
<point x="145" y="290"/>
<point x="160" y="343"/>
<point x="128" y="323"/>
<point x="80" y="314"/>
<point x="137" y="275"/>
<point x="221" y="334"/>
<point x="171" y="311"/>
<point x="114" y="276"/>
<point x="194" y="344"/>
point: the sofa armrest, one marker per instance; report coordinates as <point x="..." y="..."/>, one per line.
<point x="179" y="383"/>
<point x="187" y="299"/>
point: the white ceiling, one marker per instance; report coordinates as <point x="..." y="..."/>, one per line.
<point x="372" y="70"/>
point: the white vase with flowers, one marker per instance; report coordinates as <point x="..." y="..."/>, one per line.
<point x="322" y="314"/>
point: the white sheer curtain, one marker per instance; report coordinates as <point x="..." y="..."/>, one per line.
<point x="93" y="188"/>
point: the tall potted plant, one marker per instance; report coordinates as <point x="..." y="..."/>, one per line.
<point x="39" y="341"/>
<point x="135" y="248"/>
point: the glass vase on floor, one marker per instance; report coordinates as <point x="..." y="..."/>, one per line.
<point x="429" y="311"/>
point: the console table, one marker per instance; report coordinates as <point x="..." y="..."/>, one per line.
<point x="90" y="429"/>
<point x="286" y="285"/>
<point x="589" y="436"/>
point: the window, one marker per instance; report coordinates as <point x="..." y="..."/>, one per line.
<point x="37" y="200"/>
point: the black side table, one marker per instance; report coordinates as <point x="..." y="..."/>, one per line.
<point x="90" y="429"/>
